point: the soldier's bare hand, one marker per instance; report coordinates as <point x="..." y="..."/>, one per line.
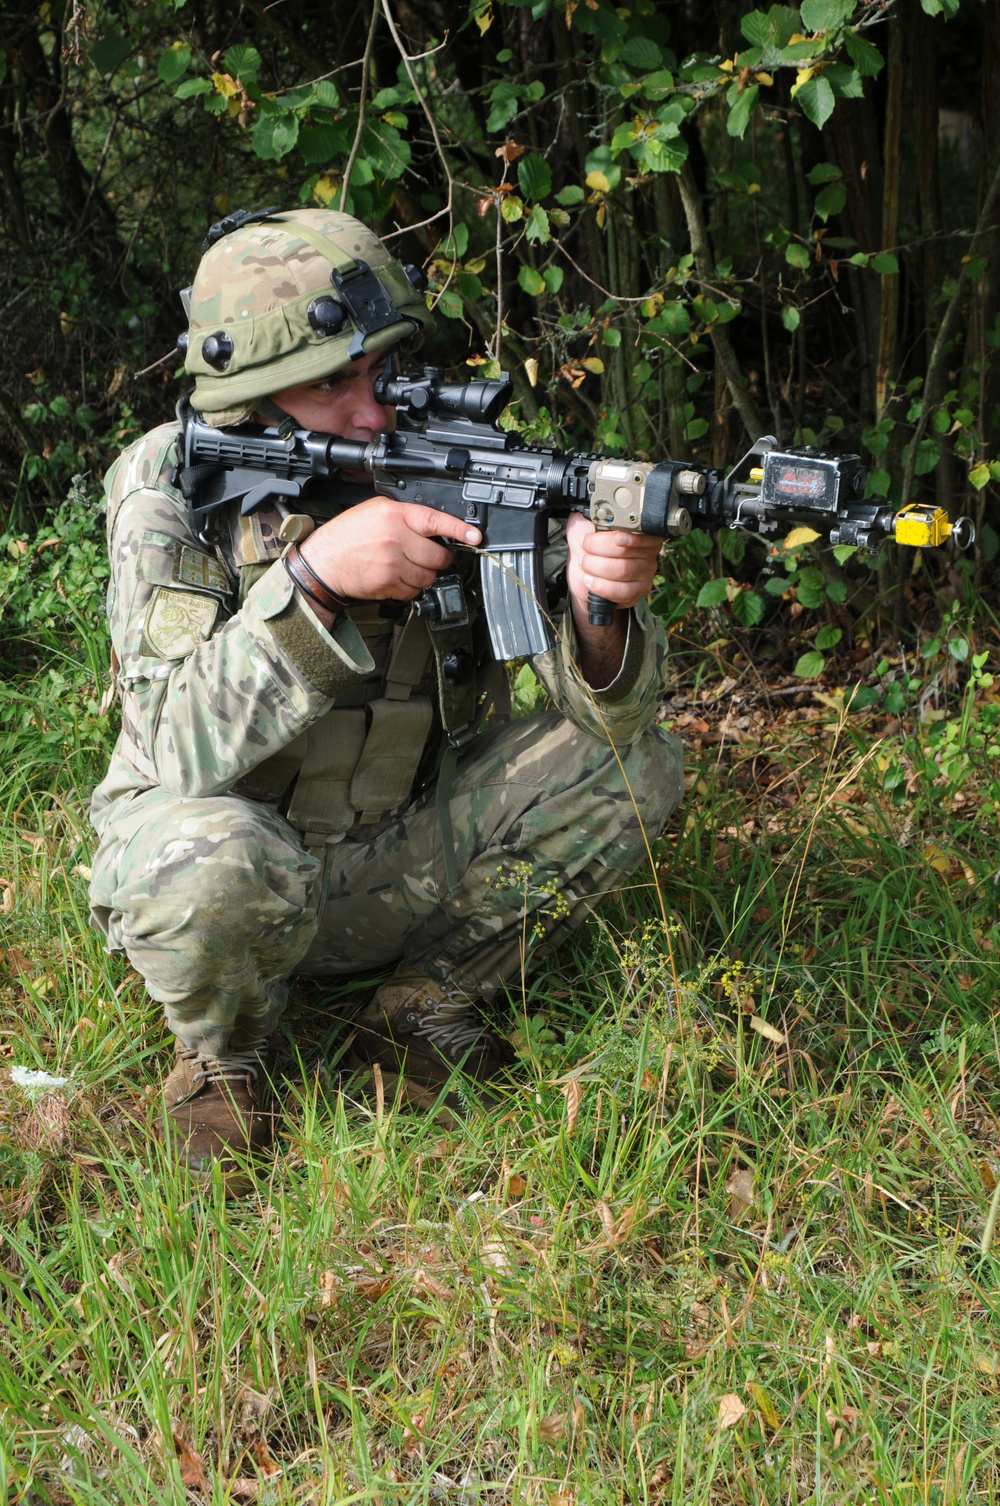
<point x="617" y="565"/>
<point x="383" y="549"/>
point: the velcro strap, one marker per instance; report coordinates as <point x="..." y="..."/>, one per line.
<point x="166" y="561"/>
<point x="393" y="749"/>
<point x="321" y="805"/>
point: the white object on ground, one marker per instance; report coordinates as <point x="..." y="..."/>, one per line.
<point x="27" y="1077"/>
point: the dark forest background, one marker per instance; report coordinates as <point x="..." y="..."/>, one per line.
<point x="674" y="223"/>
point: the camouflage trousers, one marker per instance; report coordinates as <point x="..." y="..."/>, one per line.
<point x="217" y="903"/>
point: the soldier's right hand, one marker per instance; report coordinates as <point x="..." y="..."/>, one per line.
<point x="383" y="549"/>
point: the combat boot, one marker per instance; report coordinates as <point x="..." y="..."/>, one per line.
<point x="419" y="1031"/>
<point x="212" y="1108"/>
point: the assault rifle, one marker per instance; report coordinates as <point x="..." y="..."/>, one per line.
<point x="447" y="451"/>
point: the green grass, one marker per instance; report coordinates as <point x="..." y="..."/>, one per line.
<point x="684" y="1261"/>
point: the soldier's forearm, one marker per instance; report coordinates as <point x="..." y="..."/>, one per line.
<point x="601" y="649"/>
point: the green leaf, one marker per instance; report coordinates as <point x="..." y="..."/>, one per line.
<point x="928" y="456"/>
<point x="796" y="254"/>
<point x="537" y="228"/>
<point x="659" y="156"/>
<point x="450" y="304"/>
<point x="842" y="552"/>
<point x="456" y="244"/>
<point x="845" y="81"/>
<point x="828" y="636"/>
<point x="387" y="151"/>
<point x="243" y="62"/>
<point x="696" y="429"/>
<point x="110" y="52"/>
<point x="810" y="665"/>
<point x="530" y="281"/>
<point x="816" y="98"/>
<point x="741" y="109"/>
<point x="192" y="86"/>
<point x="824" y="172"/>
<point x="553" y="278"/>
<point x="748" y="608"/>
<point x="885" y="263"/>
<point x="979" y="476"/>
<point x="860" y="259"/>
<point x="503" y="105"/>
<point x="612" y="337"/>
<point x="706" y="308"/>
<point x="770" y="29"/>
<point x="713" y="593"/>
<point x="174" y="63"/>
<point x="867" y="59"/>
<point x="673" y="319"/>
<point x="791" y="318"/>
<point x="831" y="200"/>
<point x="824" y="15"/>
<point x="600" y="161"/>
<point x="810" y="594"/>
<point x="571" y="194"/>
<point x="535" y="176"/>
<point x="732" y="545"/>
<point x="656" y="85"/>
<point x="470" y="287"/>
<point x="274" y="134"/>
<point x="327" y="94"/>
<point x="642" y="54"/>
<point x="320" y="141"/>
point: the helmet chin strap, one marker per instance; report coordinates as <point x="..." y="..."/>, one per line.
<point x="269" y="410"/>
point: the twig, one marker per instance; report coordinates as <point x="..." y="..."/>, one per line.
<point x="408" y="65"/>
<point x="691" y="200"/>
<point x="163" y="359"/>
<point x="365" y="70"/>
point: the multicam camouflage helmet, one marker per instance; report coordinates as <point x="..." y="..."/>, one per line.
<point x="283" y="297"/>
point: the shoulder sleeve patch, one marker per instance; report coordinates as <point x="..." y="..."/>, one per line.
<point x="177" y="621"/>
<point x="202" y="571"/>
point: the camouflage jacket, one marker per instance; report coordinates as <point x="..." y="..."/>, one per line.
<point x="223" y="672"/>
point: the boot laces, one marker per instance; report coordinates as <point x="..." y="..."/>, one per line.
<point x="238" y="1066"/>
<point x="452" y="1025"/>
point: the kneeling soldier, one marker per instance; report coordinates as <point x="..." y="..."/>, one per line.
<point x="278" y="799"/>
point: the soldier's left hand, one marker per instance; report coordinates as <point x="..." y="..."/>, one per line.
<point x="617" y="565"/>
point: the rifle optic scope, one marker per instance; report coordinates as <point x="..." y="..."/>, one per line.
<point x="429" y="393"/>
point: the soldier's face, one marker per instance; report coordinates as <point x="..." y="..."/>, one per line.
<point x="342" y="404"/>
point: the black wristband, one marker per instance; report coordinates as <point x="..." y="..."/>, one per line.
<point x="313" y="585"/>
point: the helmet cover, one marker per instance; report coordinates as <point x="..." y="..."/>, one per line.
<point x="292" y="298"/>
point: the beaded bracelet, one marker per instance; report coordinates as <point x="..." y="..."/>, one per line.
<point x="314" y="586"/>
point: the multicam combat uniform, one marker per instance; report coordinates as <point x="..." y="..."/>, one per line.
<point x="273" y="807"/>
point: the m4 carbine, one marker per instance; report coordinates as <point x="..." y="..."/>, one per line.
<point x="448" y="452"/>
